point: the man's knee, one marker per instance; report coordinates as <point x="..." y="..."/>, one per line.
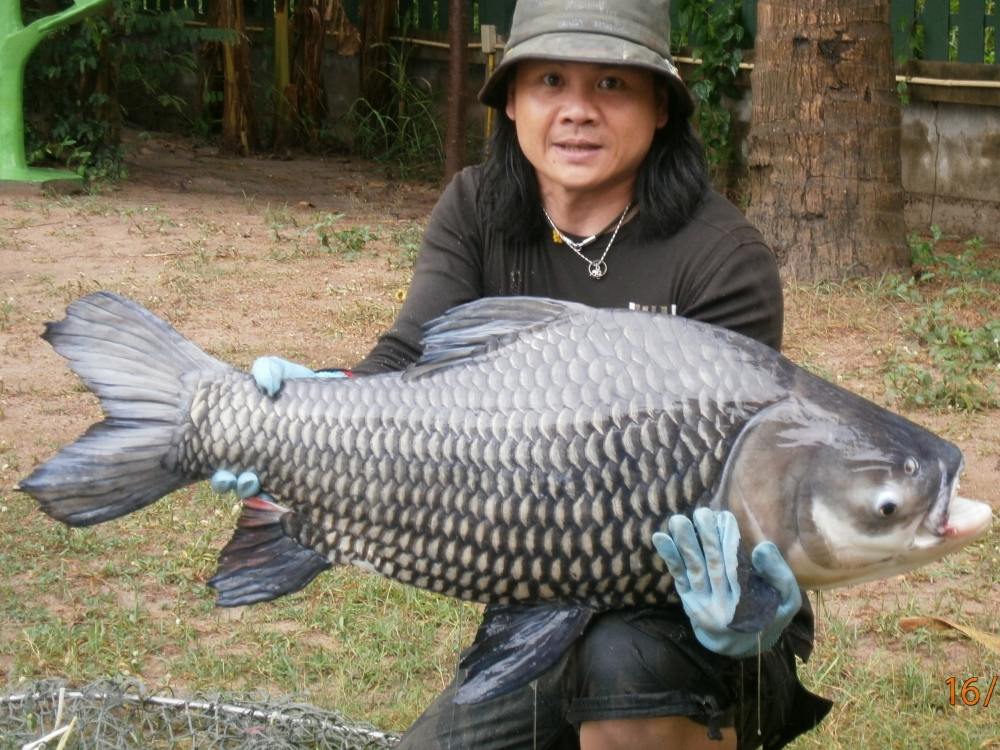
<point x="659" y="733"/>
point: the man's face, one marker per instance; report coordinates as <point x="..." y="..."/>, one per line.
<point x="584" y="127"/>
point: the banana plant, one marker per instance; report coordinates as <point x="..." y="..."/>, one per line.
<point x="17" y="42"/>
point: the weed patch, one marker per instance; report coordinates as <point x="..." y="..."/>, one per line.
<point x="953" y="358"/>
<point x="405" y="136"/>
<point x="348" y="242"/>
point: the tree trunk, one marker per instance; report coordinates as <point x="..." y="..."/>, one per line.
<point x="284" y="94"/>
<point x="103" y="79"/>
<point x="238" y="129"/>
<point x="825" y="174"/>
<point x="458" y="67"/>
<point x="376" y="21"/>
<point x="307" y="68"/>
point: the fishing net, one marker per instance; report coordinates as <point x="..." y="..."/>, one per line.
<point x="122" y="713"/>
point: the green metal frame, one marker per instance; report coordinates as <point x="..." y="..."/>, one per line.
<point x="17" y="42"/>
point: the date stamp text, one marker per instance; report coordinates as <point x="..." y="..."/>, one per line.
<point x="972" y="691"/>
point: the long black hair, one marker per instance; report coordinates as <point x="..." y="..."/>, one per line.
<point x="671" y="183"/>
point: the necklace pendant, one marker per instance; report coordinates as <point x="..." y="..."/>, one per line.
<point x="595" y="268"/>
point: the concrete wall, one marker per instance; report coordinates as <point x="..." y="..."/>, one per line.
<point x="951" y="167"/>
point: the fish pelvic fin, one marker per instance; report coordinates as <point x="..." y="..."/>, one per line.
<point x="516" y="644"/>
<point x="143" y="371"/>
<point x="263" y="561"/>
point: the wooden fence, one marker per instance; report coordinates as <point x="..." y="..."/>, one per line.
<point x="950" y="30"/>
<point x="955" y="30"/>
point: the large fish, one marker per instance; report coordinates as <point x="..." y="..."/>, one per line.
<point x="526" y="459"/>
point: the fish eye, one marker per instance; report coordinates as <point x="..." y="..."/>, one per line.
<point x="911" y="466"/>
<point x="887" y="508"/>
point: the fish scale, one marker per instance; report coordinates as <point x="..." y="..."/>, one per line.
<point x="561" y="481"/>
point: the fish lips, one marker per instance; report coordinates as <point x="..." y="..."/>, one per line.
<point x="936" y="520"/>
<point x="953" y="518"/>
<point x="965" y="520"/>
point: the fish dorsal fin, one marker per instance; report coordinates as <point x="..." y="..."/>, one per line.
<point x="516" y="644"/>
<point x="481" y="326"/>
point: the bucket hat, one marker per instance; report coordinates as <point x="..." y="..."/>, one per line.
<point x="613" y="32"/>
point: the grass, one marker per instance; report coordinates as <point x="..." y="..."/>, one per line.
<point x="348" y="241"/>
<point x="952" y="360"/>
<point x="894" y="694"/>
<point x="407" y="241"/>
<point x="78" y="287"/>
<point x="128" y="598"/>
<point x="936" y="333"/>
<point x="8" y="312"/>
<point x="890" y="685"/>
<point x="302" y="236"/>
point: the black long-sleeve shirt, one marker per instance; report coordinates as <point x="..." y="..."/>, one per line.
<point x="716" y="269"/>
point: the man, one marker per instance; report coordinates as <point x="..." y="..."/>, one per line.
<point x="595" y="190"/>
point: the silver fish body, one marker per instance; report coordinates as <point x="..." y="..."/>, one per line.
<point x="533" y="473"/>
<point x="529" y="456"/>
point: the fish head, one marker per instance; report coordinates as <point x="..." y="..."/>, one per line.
<point x="848" y="490"/>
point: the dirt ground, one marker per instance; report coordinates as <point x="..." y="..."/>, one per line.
<point x="227" y="250"/>
<point x="308" y="258"/>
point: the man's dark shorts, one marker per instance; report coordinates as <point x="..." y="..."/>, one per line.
<point x="637" y="663"/>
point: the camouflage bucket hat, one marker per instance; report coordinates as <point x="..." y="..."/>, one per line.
<point x="612" y="32"/>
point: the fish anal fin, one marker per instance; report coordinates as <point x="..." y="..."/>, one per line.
<point x="262" y="561"/>
<point x="517" y="644"/>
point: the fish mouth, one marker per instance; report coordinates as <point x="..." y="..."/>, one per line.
<point x="953" y="520"/>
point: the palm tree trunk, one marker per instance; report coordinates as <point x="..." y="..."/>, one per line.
<point x="458" y="66"/>
<point x="238" y="126"/>
<point x="377" y="17"/>
<point x="826" y="184"/>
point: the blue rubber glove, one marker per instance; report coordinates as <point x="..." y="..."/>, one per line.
<point x="247" y="484"/>
<point x="271" y="372"/>
<point x="705" y="578"/>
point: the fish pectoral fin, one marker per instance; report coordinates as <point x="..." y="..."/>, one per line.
<point x="261" y="561"/>
<point x="758" y="603"/>
<point x="516" y="644"/>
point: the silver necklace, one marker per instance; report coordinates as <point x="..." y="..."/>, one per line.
<point x="596" y="268"/>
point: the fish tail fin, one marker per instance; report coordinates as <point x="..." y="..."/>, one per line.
<point x="143" y="371"/>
